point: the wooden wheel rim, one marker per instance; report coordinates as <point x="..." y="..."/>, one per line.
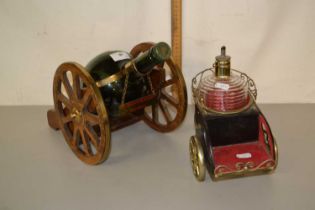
<point x="80" y="112"/>
<point x="197" y="158"/>
<point x="178" y="87"/>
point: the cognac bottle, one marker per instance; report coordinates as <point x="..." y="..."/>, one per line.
<point x="110" y="63"/>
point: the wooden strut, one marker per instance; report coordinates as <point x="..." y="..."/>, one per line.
<point x="52" y="118"/>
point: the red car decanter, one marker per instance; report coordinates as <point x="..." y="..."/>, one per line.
<point x="233" y="138"/>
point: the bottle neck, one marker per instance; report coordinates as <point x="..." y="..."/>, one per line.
<point x="222" y="64"/>
<point x="142" y="65"/>
<point x="222" y="68"/>
<point x="157" y="54"/>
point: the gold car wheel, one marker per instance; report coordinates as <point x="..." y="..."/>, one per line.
<point x="275" y="147"/>
<point x="197" y="158"/>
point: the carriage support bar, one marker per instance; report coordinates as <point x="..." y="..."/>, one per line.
<point x="115" y="77"/>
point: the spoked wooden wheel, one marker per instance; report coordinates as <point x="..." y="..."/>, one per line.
<point x="81" y="113"/>
<point x="197" y="158"/>
<point x="170" y="107"/>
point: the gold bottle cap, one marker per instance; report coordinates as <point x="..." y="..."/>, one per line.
<point x="222" y="64"/>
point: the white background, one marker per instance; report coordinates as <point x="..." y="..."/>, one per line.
<point x="273" y="41"/>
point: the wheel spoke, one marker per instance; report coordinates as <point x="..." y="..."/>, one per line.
<point x="75" y="136"/>
<point x="170" y="99"/>
<point x="66" y="119"/>
<point x="168" y="83"/>
<point x="76" y="86"/>
<point x="93" y="136"/>
<point x="155" y="113"/>
<point x="86" y="144"/>
<point x="165" y="112"/>
<point x="63" y="99"/>
<point x="67" y="85"/>
<point x="91" y="118"/>
<point x="86" y="97"/>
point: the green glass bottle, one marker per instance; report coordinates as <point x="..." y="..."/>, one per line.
<point x="110" y="63"/>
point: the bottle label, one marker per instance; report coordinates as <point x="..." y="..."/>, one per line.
<point x="244" y="155"/>
<point x="222" y="86"/>
<point x="118" y="56"/>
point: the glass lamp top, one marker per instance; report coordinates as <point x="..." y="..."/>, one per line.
<point x="223" y="90"/>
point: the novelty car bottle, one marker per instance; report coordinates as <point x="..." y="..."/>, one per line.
<point x="232" y="136"/>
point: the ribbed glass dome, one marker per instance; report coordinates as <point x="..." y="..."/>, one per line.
<point x="224" y="93"/>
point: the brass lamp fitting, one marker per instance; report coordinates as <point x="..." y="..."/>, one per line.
<point x="222" y="64"/>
